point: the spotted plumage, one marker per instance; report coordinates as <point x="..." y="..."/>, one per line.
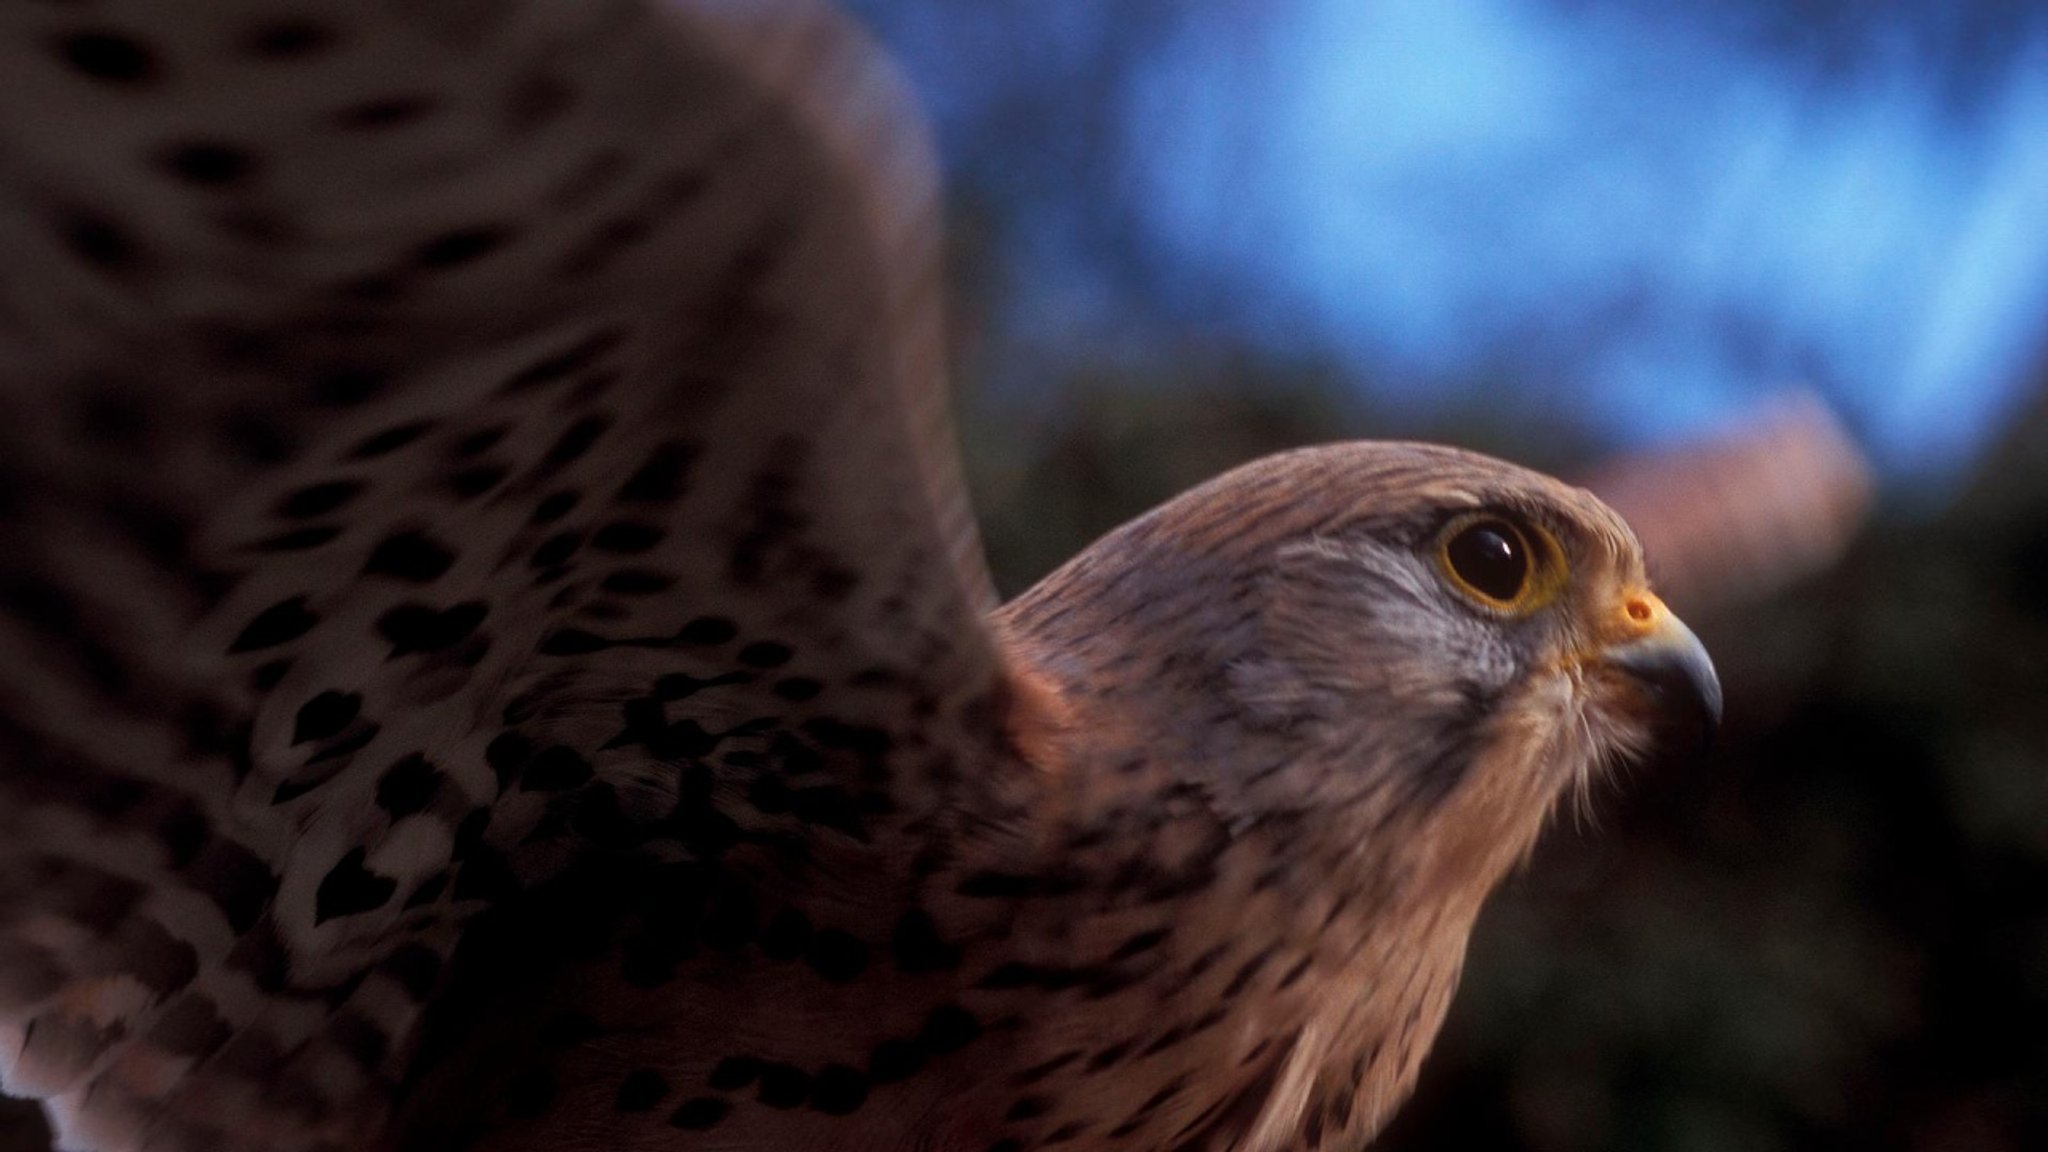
<point x="493" y="650"/>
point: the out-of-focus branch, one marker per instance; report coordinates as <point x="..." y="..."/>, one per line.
<point x="1739" y="517"/>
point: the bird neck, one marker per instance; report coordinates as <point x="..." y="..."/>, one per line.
<point x="1327" y="950"/>
<point x="1127" y="671"/>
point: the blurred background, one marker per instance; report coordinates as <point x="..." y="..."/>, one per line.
<point x="1187" y="232"/>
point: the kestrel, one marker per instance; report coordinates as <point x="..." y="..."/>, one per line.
<point x="494" y="650"/>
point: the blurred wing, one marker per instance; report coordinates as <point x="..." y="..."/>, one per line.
<point x="1738" y="518"/>
<point x="439" y="442"/>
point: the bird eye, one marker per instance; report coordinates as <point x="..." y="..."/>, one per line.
<point x="1489" y="559"/>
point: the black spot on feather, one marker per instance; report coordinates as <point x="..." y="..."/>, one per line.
<point x="350" y="888"/>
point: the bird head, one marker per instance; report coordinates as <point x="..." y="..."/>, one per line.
<point x="1417" y="648"/>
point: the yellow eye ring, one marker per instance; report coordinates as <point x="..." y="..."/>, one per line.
<point x="1501" y="565"/>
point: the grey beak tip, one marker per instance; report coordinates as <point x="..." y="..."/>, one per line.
<point x="1679" y="675"/>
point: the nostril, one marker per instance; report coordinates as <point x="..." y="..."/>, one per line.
<point x="1639" y="610"/>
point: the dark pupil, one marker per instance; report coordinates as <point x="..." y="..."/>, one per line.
<point x="1489" y="556"/>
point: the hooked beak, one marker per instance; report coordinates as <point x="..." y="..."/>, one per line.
<point x="1677" y="679"/>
